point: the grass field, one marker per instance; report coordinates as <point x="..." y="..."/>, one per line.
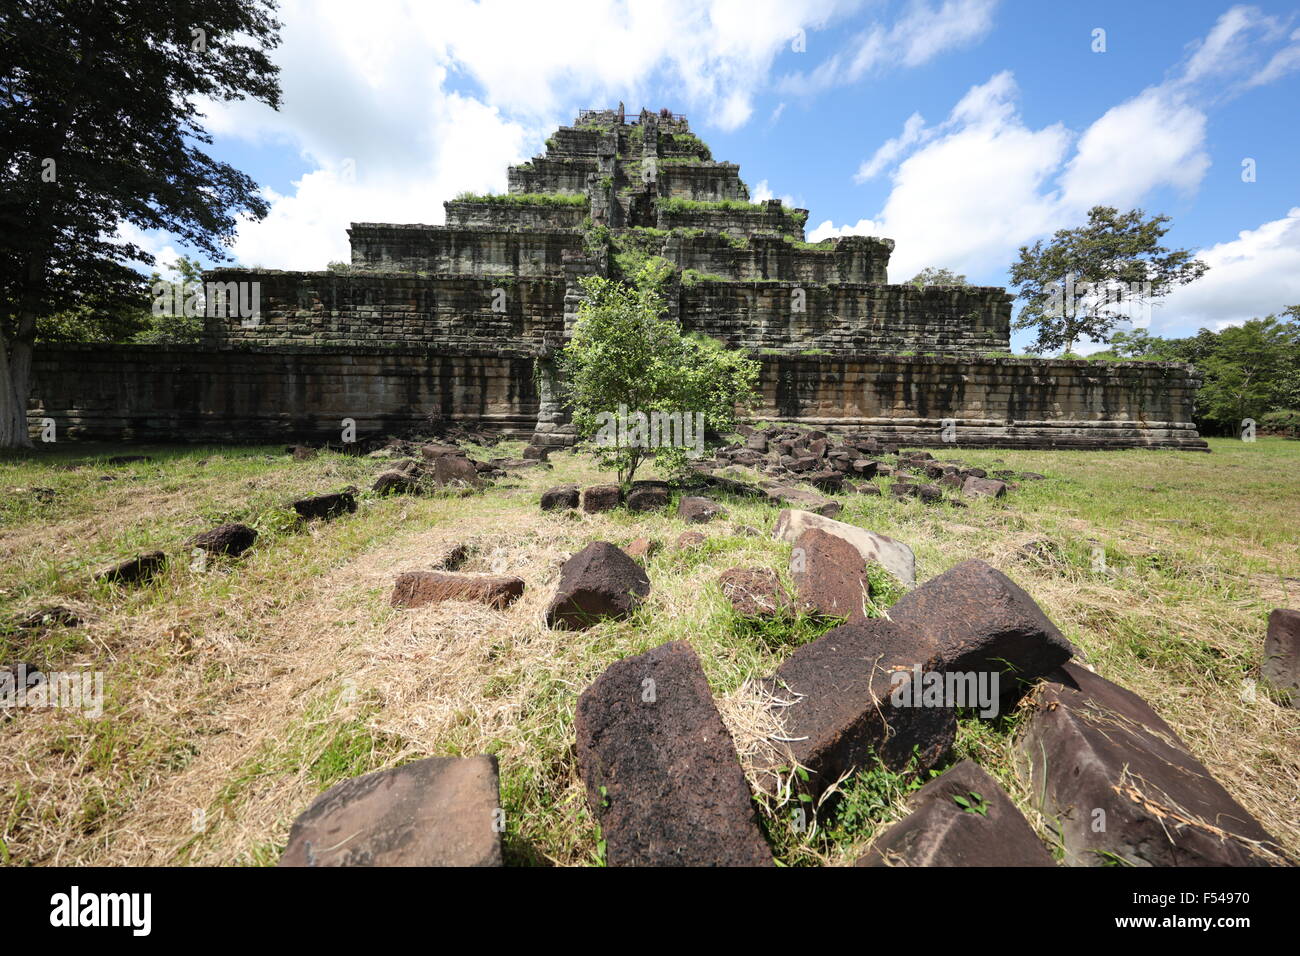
<point x="237" y="693"/>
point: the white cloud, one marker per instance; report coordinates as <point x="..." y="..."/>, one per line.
<point x="968" y="192"/>
<point x="1254" y="275"/>
<point x="923" y="32"/>
<point x="973" y="192"/>
<point x="763" y="192"/>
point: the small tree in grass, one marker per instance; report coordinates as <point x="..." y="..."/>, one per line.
<point x="639" y="388"/>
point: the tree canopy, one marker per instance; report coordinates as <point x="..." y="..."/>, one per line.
<point x="100" y="122"/>
<point x="1086" y="280"/>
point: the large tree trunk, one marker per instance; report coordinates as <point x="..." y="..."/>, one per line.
<point x="15" y="387"/>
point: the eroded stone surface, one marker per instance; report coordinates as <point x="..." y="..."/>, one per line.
<point x="963" y="817"/>
<point x="1123" y="787"/>
<point x="229" y="539"/>
<point x="896" y="557"/>
<point x="1281" y="665"/>
<point x="418" y="588"/>
<point x="326" y="506"/>
<point x="660" y="768"/>
<point x="443" y="811"/>
<point x="830" y="575"/>
<point x="598" y="582"/>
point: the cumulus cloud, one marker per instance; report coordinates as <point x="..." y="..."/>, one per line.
<point x="924" y="31"/>
<point x="1254" y="275"/>
<point x="967" y="192"/>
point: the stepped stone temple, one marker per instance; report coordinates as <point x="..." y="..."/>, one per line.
<point x="462" y="322"/>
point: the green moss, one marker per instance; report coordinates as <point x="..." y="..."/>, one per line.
<point x="525" y="199"/>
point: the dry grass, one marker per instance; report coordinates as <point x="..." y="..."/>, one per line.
<point x="236" y="695"/>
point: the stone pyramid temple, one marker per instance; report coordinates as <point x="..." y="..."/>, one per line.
<point x="461" y="322"/>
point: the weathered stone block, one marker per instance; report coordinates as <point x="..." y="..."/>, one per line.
<point x="660" y="768"/>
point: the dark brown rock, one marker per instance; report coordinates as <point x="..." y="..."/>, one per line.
<point x="844" y="716"/>
<point x="301" y="452"/>
<point x="1121" y="786"/>
<point x="1281" y="665"/>
<point x="983" y="487"/>
<point x="960" y="818"/>
<point x="560" y="497"/>
<point x="135" y="571"/>
<point x="536" y="453"/>
<point x="326" y="506"/>
<point x="455" y="471"/>
<point x="417" y="588"/>
<point x="691" y="539"/>
<point x="396" y="483"/>
<point x="600" y="581"/>
<point x="229" y="539"/>
<point x="660" y="767"/>
<point x="641" y="550"/>
<point x="865" y="467"/>
<point x="829" y="575"/>
<point x="698" y="510"/>
<point x="443" y="811"/>
<point x="755" y="592"/>
<point x="647" y="498"/>
<point x="598" y="498"/>
<point x="980" y="621"/>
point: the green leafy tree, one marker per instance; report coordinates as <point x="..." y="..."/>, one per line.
<point x="627" y="359"/>
<point x="1250" y="371"/>
<point x="1090" y="278"/>
<point x="100" y="126"/>
<point x="933" y="276"/>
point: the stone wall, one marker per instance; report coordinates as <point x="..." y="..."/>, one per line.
<point x="448" y="249"/>
<point x="514" y="215"/>
<point x="543" y="175"/>
<point x="159" y="393"/>
<point x="393" y="310"/>
<point x="163" y="393"/>
<point x="704" y="182"/>
<point x="998" y="402"/>
<point x="851" y="318"/>
<point x="849" y="259"/>
<point x="770" y="218"/>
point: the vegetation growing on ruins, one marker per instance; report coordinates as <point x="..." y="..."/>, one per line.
<point x="625" y="356"/>
<point x="525" y="199"/>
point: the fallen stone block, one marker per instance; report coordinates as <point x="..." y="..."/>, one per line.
<point x="961" y="818"/>
<point x="418" y="588"/>
<point x="137" y="570"/>
<point x="830" y="575"/>
<point x="896" y="557"/>
<point x="699" y="510"/>
<point x="326" y="507"/>
<point x="560" y="497"/>
<point x="47" y="617"/>
<point x="396" y="483"/>
<point x="691" y="539"/>
<point x="648" y="498"/>
<point x="641" y="550"/>
<point x="660" y="768"/>
<point x="755" y="592"/>
<point x="839" y="710"/>
<point x="598" y="582"/>
<point x="983" y="487"/>
<point x="981" y="622"/>
<point x="456" y="471"/>
<point x="1121" y="787"/>
<point x="442" y="811"/>
<point x="301" y="452"/>
<point x="1281" y="666"/>
<point x="803" y="500"/>
<point x="231" y="539"/>
<point x="598" y="498"/>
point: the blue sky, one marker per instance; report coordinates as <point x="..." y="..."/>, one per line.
<point x="959" y="128"/>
